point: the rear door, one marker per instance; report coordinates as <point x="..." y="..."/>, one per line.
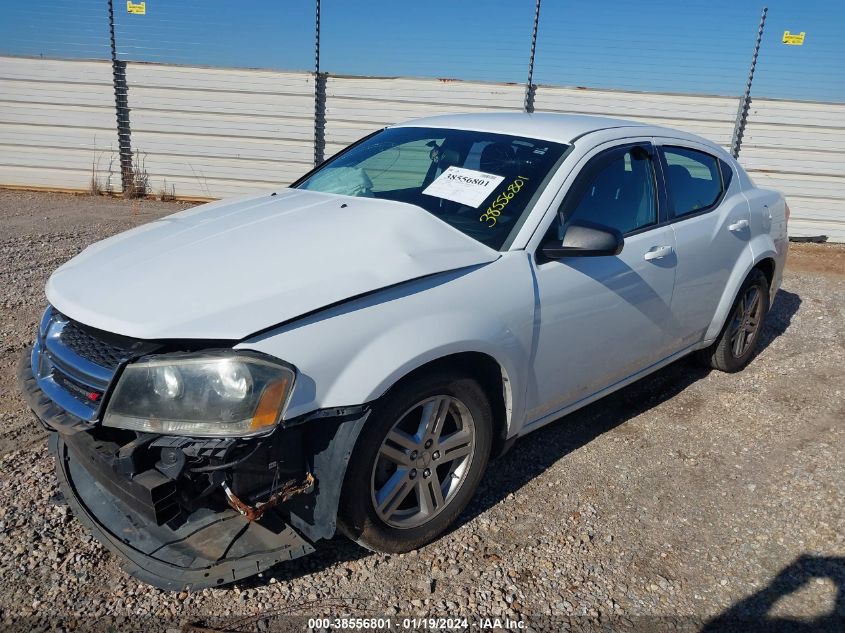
<point x="602" y="319"/>
<point x="710" y="218"/>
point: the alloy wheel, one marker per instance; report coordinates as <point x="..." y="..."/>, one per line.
<point x="746" y="321"/>
<point x="423" y="461"/>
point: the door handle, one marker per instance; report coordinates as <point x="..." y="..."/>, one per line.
<point x="657" y="252"/>
<point x="738" y="226"/>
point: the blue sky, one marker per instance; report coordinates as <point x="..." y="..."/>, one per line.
<point x="654" y="45"/>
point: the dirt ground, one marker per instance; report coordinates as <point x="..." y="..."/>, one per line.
<point x="680" y="502"/>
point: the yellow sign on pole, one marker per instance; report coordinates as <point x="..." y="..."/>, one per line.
<point x="138" y="8"/>
<point x="793" y="39"/>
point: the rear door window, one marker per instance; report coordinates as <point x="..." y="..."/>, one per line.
<point x="694" y="180"/>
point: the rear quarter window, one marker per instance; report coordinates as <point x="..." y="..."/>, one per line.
<point x="694" y="180"/>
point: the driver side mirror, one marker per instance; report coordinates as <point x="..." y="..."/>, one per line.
<point x="583" y="239"/>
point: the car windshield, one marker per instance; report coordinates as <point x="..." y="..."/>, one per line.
<point x="478" y="182"/>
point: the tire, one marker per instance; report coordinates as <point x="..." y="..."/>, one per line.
<point x="728" y="353"/>
<point x="380" y="466"/>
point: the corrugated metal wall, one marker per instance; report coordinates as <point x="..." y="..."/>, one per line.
<point x="711" y="117"/>
<point x="356" y="106"/>
<point x="212" y="132"/>
<point x="57" y="120"/>
<point x="799" y="148"/>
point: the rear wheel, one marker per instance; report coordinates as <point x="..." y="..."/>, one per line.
<point x="735" y="346"/>
<point x="417" y="462"/>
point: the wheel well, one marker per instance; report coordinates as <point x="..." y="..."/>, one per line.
<point x="768" y="267"/>
<point x="493" y="380"/>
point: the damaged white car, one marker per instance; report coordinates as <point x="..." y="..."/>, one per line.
<point x="231" y="384"/>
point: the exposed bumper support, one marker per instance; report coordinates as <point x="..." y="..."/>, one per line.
<point x="150" y="494"/>
<point x="253" y="513"/>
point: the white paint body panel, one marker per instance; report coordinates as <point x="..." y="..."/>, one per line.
<point x="228" y="269"/>
<point x="354" y="352"/>
<point x="708" y="252"/>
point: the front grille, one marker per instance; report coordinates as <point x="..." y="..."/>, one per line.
<point x="97" y="350"/>
<point x="75" y="364"/>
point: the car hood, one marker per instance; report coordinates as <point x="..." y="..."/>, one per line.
<point x="231" y="268"/>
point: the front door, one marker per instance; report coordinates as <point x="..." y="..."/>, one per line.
<point x="602" y="319"/>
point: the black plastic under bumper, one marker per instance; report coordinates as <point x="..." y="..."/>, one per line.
<point x="209" y="549"/>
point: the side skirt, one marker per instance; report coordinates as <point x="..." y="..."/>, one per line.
<point x="551" y="417"/>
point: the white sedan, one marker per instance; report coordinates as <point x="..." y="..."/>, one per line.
<point x="233" y="383"/>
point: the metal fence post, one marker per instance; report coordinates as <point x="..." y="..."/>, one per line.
<point x="530" y="88"/>
<point x="121" y="104"/>
<point x="745" y="101"/>
<point x="319" y="96"/>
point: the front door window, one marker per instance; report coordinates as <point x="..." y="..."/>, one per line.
<point x="619" y="192"/>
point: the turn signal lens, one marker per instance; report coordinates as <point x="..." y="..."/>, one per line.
<point x="267" y="412"/>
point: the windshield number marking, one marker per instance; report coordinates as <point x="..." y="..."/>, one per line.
<point x="495" y="210"/>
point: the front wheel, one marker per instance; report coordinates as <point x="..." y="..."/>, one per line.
<point x="735" y="346"/>
<point x="417" y="462"/>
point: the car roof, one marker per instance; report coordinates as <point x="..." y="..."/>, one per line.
<point x="550" y="126"/>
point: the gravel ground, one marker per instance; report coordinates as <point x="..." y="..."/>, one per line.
<point x="688" y="496"/>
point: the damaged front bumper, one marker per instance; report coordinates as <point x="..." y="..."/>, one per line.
<point x="193" y="513"/>
<point x="208" y="549"/>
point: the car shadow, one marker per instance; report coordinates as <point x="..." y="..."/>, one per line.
<point x="753" y="614"/>
<point x="535" y="453"/>
<point x="779" y="319"/>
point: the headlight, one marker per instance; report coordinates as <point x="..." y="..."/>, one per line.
<point x="209" y="394"/>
